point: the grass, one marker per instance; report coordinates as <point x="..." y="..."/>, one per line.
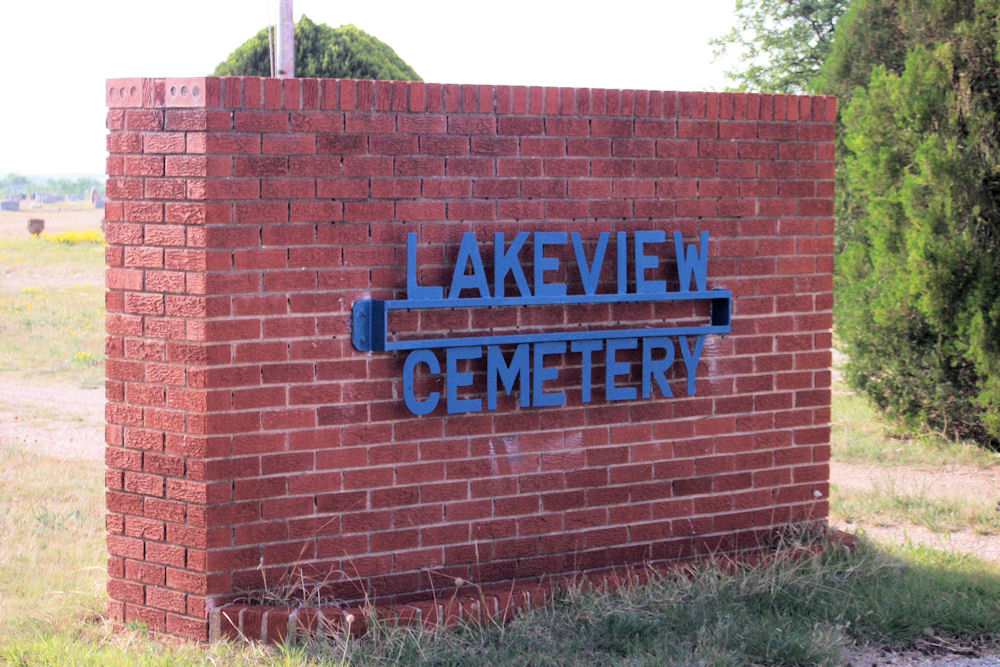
<point x="784" y="612"/>
<point x="52" y="307"/>
<point x="52" y="555"/>
<point x="886" y="504"/>
<point x="787" y="612"/>
<point x="132" y="647"/>
<point x="861" y="435"/>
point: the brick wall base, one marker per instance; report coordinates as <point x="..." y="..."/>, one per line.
<point x="462" y="603"/>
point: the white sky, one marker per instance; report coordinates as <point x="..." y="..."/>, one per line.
<point x="56" y="54"/>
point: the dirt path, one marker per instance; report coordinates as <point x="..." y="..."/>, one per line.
<point x="58" y="420"/>
<point x="951" y="481"/>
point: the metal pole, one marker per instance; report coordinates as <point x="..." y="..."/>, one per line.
<point x="286" y="40"/>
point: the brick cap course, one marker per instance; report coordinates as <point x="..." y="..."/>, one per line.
<point x="368" y="95"/>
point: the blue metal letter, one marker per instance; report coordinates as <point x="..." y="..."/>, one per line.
<point x="543" y="264"/>
<point x="520" y="365"/>
<point x="614" y="368"/>
<point x="621" y="247"/>
<point x="459" y="280"/>
<point x="455" y="379"/>
<point x="427" y="405"/>
<point x="656" y="368"/>
<point x="540" y="374"/>
<point x="644" y="261"/>
<point x="414" y="291"/>
<point x="585" y="348"/>
<point x="507" y="261"/>
<point x="693" y="259"/>
<point x="590" y="275"/>
<point x="691" y="358"/>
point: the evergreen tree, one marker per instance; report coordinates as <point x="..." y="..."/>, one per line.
<point x="346" y="52"/>
<point x="918" y="275"/>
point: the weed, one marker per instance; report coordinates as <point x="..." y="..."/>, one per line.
<point x="85" y="358"/>
<point x="138" y="626"/>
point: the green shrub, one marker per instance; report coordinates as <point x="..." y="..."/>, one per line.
<point x="346" y="52"/>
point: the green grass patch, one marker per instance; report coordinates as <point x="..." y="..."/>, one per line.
<point x="54" y="333"/>
<point x="802" y="612"/>
<point x="131" y="647"/>
<point x="861" y="435"/>
<point x="885" y="504"/>
<point x="79" y="250"/>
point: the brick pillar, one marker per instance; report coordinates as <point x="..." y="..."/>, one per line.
<point x="159" y="350"/>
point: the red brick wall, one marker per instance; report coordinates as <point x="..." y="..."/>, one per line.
<point x="247" y="437"/>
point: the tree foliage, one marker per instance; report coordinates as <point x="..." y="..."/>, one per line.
<point x="781" y="44"/>
<point x="346" y="52"/>
<point x="918" y="275"/>
<point x="868" y="37"/>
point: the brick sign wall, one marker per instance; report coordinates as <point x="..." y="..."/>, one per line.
<point x="248" y="437"/>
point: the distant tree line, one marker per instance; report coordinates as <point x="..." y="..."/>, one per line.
<point x="15" y="184"/>
<point x="917" y="272"/>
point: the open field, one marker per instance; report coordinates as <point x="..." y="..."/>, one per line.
<point x="52" y="298"/>
<point x="896" y="593"/>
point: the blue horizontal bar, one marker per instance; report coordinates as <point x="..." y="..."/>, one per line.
<point x="570" y="299"/>
<point x="369" y="319"/>
<point x="510" y="339"/>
